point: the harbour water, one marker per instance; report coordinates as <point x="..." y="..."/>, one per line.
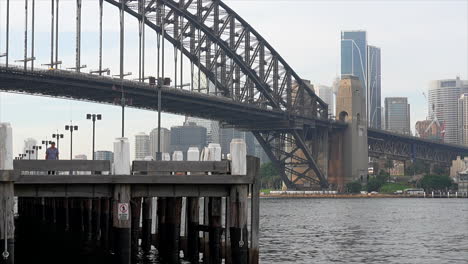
<point x="364" y="231"/>
<point x="367" y="230"/>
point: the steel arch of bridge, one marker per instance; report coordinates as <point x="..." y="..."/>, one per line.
<point x="222" y="45"/>
<point x="243" y="66"/>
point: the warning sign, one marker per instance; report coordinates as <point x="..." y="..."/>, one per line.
<point x="122" y="213"/>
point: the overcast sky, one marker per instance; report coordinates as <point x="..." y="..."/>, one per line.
<point x="420" y="41"/>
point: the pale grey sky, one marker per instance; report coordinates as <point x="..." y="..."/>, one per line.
<point x="420" y="41"/>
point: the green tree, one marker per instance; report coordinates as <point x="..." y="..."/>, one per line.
<point x="435" y="183"/>
<point x="374" y="184"/>
<point x="269" y="176"/>
<point x="389" y="165"/>
<point x="417" y="167"/>
<point x="353" y="187"/>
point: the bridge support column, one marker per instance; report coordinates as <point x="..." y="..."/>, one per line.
<point x="335" y="161"/>
<point x="121" y="204"/>
<point x="351" y="108"/>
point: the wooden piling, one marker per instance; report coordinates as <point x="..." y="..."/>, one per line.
<point x="161" y="230"/>
<point x="146" y="224"/>
<point x="215" y="230"/>
<point x="96" y="220"/>
<point x="253" y="167"/>
<point x="238" y="229"/>
<point x="192" y="229"/>
<point x="105" y="221"/>
<point x="122" y="223"/>
<point x="135" y="204"/>
<point x="87" y="206"/>
<point x="173" y="213"/>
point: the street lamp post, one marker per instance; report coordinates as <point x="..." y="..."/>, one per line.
<point x="46" y="143"/>
<point x="29" y="152"/>
<point x="152" y="82"/>
<point x="21" y="156"/>
<point x="37" y="148"/>
<point x="94" y="117"/>
<point x="58" y="137"/>
<point x="71" y="128"/>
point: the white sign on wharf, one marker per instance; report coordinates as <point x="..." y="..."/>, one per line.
<point x="122" y="213"/>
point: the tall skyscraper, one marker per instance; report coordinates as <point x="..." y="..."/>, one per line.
<point x="212" y="128"/>
<point x="28" y="149"/>
<point x="165" y="141"/>
<point x="363" y="61"/>
<point x="354" y="55"/>
<point x="142" y="146"/>
<point x="227" y="134"/>
<point x="463" y="119"/>
<point x="326" y="94"/>
<point x="374" y="87"/>
<point x="397" y="115"/>
<point x="188" y="135"/>
<point x="443" y="103"/>
<point x="104" y="155"/>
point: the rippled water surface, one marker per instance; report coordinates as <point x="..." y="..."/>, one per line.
<point x="364" y="231"/>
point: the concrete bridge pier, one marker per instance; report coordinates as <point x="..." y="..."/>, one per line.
<point x="348" y="151"/>
<point x="121" y="203"/>
<point x="7" y="224"/>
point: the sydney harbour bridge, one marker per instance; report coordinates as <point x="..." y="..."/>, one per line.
<point x="221" y="69"/>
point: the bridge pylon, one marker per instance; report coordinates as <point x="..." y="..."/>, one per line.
<point x="348" y="148"/>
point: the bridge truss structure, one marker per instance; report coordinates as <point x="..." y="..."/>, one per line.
<point x="228" y="59"/>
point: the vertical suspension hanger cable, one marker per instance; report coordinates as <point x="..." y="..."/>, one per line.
<point x="181" y="53"/>
<point x="56" y="34"/>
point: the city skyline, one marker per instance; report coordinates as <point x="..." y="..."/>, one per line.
<point x="319" y="64"/>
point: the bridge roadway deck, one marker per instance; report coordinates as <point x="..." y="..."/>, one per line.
<point x="100" y="89"/>
<point x="386" y="135"/>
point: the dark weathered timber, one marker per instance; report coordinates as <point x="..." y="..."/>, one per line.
<point x="238" y="224"/>
<point x="162" y="228"/>
<point x="146" y="224"/>
<point x="122" y="227"/>
<point x="173" y="214"/>
<point x="134" y="179"/>
<point x="192" y="229"/>
<point x="135" y="203"/>
<point x="215" y="229"/>
<point x="181" y="166"/>
<point x="105" y="223"/>
<point x="253" y="166"/>
<point x="106" y="190"/>
<point x="96" y="216"/>
<point x="62" y="165"/>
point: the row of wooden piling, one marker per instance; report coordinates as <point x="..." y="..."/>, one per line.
<point x="85" y="224"/>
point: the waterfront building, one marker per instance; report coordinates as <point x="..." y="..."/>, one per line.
<point x="104" y="155"/>
<point x="227" y="134"/>
<point x="363" y="61"/>
<point x="29" y="150"/>
<point x="165" y="141"/>
<point x="430" y="129"/>
<point x="463" y="119"/>
<point x="142" y="146"/>
<point x="397" y="115"/>
<point x="443" y="103"/>
<point x="212" y="128"/>
<point x="326" y="94"/>
<point x="186" y="136"/>
<point x="374" y="87"/>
